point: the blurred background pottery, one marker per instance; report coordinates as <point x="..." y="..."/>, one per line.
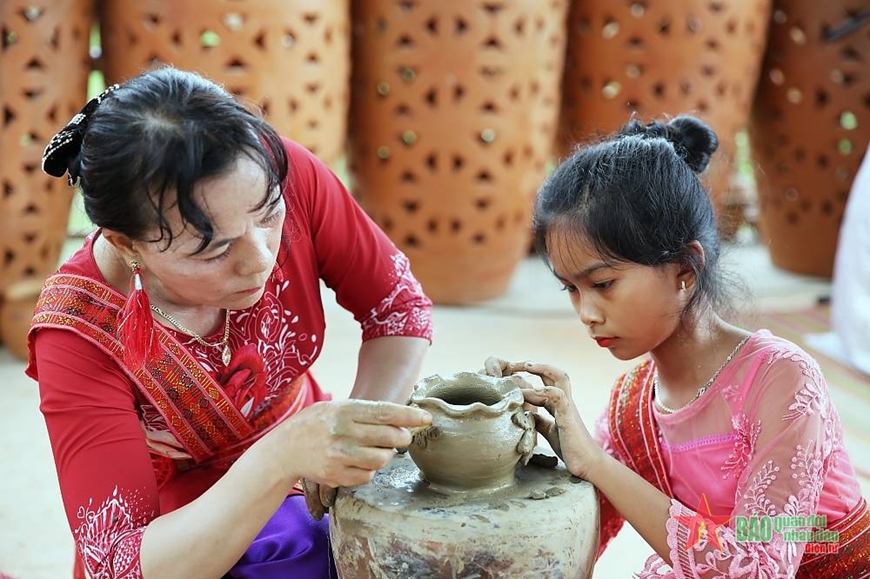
<point x="810" y="127"/>
<point x="289" y="57"/>
<point x="44" y="67"/>
<point x="452" y="121"/>
<point x="667" y="57"/>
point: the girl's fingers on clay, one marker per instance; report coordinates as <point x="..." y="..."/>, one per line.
<point x="524" y="384"/>
<point x="514" y="367"/>
<point x="535" y="397"/>
<point x="551" y="375"/>
<point x="554" y="394"/>
<point x="544" y="424"/>
<point x="550" y="398"/>
<point x="495" y="366"/>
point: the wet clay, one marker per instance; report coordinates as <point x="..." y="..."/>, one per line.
<point x="544" y="525"/>
<point x="479" y="432"/>
<point x="471" y="499"/>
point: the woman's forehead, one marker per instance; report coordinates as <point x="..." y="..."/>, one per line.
<point x="226" y="201"/>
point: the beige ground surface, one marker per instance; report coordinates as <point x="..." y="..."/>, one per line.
<point x="533" y="321"/>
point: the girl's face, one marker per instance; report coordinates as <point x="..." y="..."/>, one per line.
<point x="232" y="270"/>
<point x="630" y="309"/>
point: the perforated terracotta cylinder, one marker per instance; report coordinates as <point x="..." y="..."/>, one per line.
<point x="16" y="311"/>
<point x="44" y="65"/>
<point x="290" y="57"/>
<point x="666" y="57"/>
<point x="810" y="127"/>
<point x="453" y="115"/>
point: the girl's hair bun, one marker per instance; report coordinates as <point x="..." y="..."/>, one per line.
<point x="693" y="139"/>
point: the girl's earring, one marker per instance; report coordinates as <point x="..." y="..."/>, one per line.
<point x="683" y="284"/>
<point x="135" y="323"/>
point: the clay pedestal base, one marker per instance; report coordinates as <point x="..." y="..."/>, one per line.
<point x="395" y="526"/>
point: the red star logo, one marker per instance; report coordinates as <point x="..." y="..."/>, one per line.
<point x="703" y="526"/>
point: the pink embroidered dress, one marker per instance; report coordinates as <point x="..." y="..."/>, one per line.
<point x="119" y="462"/>
<point x="764" y="439"/>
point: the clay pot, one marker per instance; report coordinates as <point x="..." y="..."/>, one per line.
<point x="664" y="58"/>
<point x="810" y="128"/>
<point x="479" y="432"/>
<point x="290" y="57"/>
<point x="452" y="121"/>
<point x="545" y="526"/>
<point x="44" y="66"/>
<point x="16" y="312"/>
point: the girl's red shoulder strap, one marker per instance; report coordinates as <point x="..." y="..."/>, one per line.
<point x="852" y="555"/>
<point x="633" y="428"/>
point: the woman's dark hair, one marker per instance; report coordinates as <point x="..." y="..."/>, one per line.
<point x="636" y="197"/>
<point x="153" y="138"/>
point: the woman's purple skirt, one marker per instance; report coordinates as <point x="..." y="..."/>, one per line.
<point x="291" y="545"/>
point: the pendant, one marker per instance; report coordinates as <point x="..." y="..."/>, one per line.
<point x="226" y="355"/>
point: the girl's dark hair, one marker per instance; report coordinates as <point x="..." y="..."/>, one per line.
<point x="153" y="138"/>
<point x="636" y="197"/>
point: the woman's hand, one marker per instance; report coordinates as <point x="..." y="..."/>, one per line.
<point x="565" y="431"/>
<point x="318" y="498"/>
<point x="343" y="443"/>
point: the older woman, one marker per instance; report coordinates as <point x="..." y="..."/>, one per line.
<point x="173" y="350"/>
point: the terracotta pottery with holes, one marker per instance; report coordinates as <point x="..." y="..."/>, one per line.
<point x="453" y="115"/>
<point x="44" y="66"/>
<point x="289" y="57"/>
<point x="479" y="432"/>
<point x="16" y="311"/>
<point x="698" y="57"/>
<point x="810" y="127"/>
<point x="474" y="503"/>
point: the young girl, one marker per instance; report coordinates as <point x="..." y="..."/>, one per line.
<point x="707" y="445"/>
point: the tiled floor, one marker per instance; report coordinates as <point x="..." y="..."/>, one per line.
<point x="533" y="321"/>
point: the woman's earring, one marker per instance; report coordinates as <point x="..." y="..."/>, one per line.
<point x="683" y="284"/>
<point x="135" y="323"/>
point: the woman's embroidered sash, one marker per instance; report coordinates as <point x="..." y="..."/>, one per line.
<point x="194" y="406"/>
<point x="635" y="435"/>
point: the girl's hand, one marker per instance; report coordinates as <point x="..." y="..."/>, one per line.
<point x="343" y="443"/>
<point x="565" y="431"/>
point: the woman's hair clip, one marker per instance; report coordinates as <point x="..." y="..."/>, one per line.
<point x="65" y="146"/>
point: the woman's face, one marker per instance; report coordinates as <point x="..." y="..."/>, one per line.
<point x="232" y="270"/>
<point x="630" y="309"/>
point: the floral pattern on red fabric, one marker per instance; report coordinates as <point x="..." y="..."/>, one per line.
<point x="406" y="310"/>
<point x="109" y="537"/>
<point x="244" y="379"/>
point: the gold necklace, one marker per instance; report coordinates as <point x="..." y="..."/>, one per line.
<point x="223" y="344"/>
<point x="703" y="388"/>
